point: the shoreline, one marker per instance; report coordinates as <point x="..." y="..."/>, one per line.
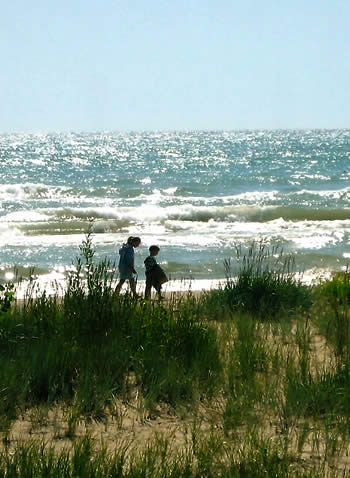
<point x="57" y="286"/>
<point x="171" y="288"/>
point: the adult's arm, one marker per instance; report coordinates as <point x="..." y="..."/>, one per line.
<point x="129" y="258"/>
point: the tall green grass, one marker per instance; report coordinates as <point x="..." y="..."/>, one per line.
<point x="205" y="458"/>
<point x="251" y="365"/>
<point x="176" y="356"/>
<point x="332" y="311"/>
<point x="226" y="352"/>
<point x="266" y="284"/>
<point x="325" y="394"/>
<point x="82" y="349"/>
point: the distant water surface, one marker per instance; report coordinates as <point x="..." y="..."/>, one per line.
<point x="195" y="194"/>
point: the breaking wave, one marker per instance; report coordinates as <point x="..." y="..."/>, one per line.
<point x="63" y="221"/>
<point x="30" y="191"/>
<point x="202" y="214"/>
<point x="156" y="214"/>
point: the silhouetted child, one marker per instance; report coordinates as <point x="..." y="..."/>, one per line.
<point x="155" y="276"/>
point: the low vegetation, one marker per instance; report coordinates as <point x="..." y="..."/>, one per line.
<point x="255" y="374"/>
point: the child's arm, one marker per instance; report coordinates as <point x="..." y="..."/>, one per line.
<point x="150" y="263"/>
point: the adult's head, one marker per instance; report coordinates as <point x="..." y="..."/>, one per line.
<point x="134" y="241"/>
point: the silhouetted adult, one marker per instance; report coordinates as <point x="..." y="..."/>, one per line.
<point x="127" y="264"/>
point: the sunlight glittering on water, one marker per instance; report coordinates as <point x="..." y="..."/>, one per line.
<point x="197" y="194"/>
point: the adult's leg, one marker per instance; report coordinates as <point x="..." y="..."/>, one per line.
<point x="119" y="286"/>
<point x="133" y="287"/>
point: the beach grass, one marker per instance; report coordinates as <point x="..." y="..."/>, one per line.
<point x="333" y="314"/>
<point x="255" y="374"/>
<point x="265" y="284"/>
<point x="83" y="348"/>
<point x="254" y="458"/>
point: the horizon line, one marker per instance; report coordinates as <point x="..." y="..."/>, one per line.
<point x="164" y="131"/>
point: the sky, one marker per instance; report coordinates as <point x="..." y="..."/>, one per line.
<point x="110" y="65"/>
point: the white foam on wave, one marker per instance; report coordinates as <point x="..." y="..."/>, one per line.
<point x="148" y="213"/>
<point x="9" y="233"/>
<point x="146" y="180"/>
<point x="16" y="238"/>
<point x="80" y="161"/>
<point x="29" y="191"/>
<point x="171" y="191"/>
<point x="175" y="217"/>
<point x="298" y="235"/>
<point x="25" y="216"/>
<point x="255" y="197"/>
<point x="166" y="195"/>
<point x="183" y="225"/>
<point x="343" y="193"/>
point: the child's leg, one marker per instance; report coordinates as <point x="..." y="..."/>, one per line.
<point x="148" y="287"/>
<point x="158" y="288"/>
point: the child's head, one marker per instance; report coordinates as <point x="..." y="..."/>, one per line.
<point x="153" y="250"/>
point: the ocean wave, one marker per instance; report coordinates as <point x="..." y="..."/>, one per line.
<point x="169" y="196"/>
<point x="7" y="232"/>
<point x="343" y="193"/>
<point x="173" y="194"/>
<point x="272" y="213"/>
<point x="150" y="213"/>
<point x="30" y="191"/>
<point x="24" y="217"/>
<point x="319" y="198"/>
<point x="153" y="214"/>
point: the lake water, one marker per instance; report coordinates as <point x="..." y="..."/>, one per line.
<point x="198" y="195"/>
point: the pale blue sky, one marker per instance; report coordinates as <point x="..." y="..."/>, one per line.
<point x="72" y="65"/>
